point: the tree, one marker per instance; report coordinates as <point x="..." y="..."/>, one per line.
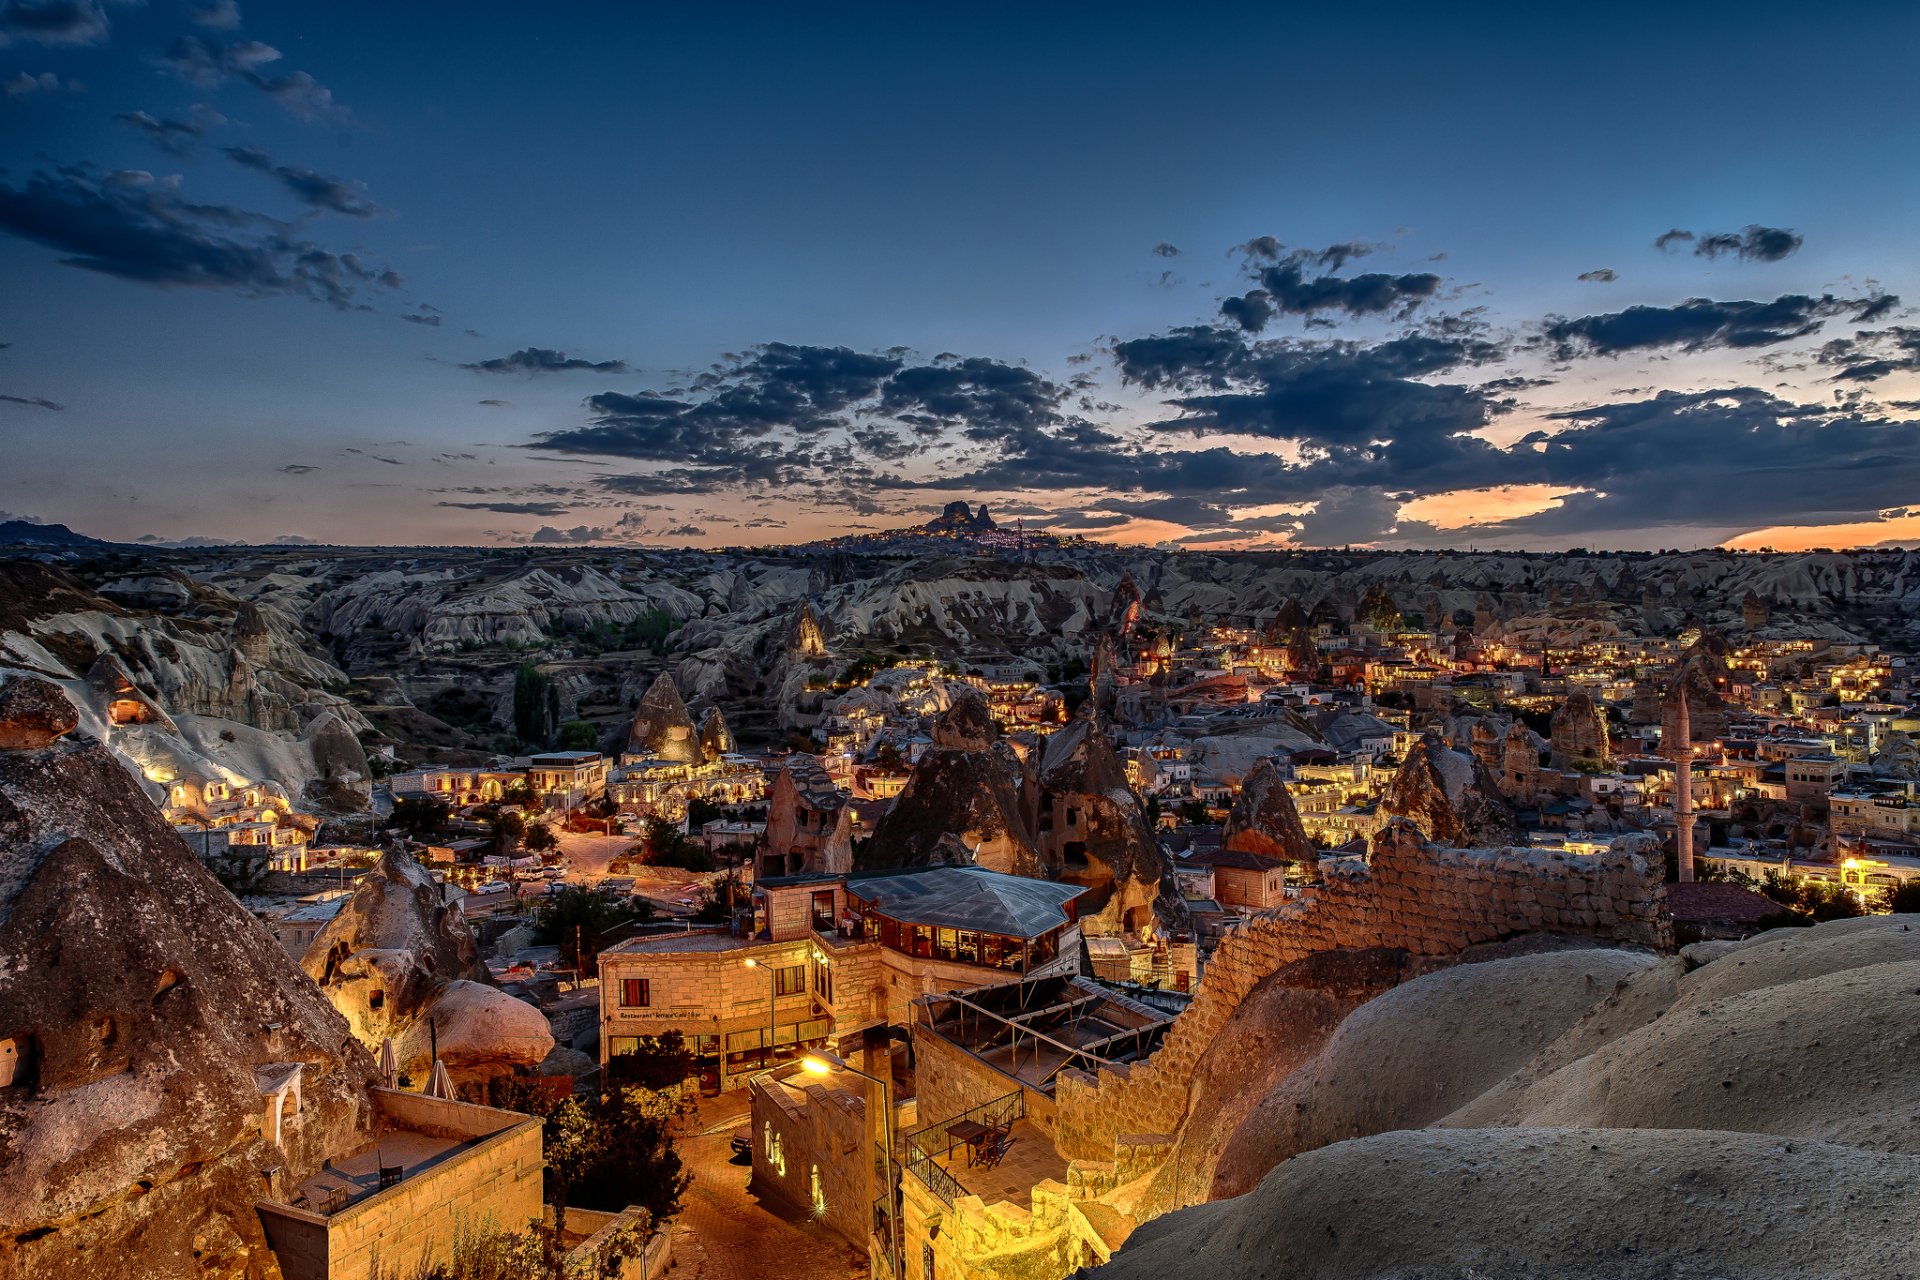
<point x="242" y="874"/>
<point x="701" y="811"/>
<point x="578" y="735"/>
<point x="654" y="1062"/>
<point x="664" y="844"/>
<point x="617" y="1150"/>
<point x="536" y="705"/>
<point x="1902" y="898"/>
<point x="583" y="914"/>
<point x="540" y="837"/>
<point x="508" y="828"/>
<point x="571" y="1137"/>
<point x="419" y="818"/>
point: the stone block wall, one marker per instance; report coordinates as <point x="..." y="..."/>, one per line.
<point x="1413" y="896"/>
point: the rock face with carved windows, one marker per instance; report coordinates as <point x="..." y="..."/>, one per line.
<point x="152" y="1032"/>
<point x="400" y="961"/>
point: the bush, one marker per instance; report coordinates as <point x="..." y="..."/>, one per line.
<point x="1902" y="899"/>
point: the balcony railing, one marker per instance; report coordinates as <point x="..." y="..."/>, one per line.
<point x="920" y="1149"/>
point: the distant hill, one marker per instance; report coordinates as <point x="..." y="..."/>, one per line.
<point x="24" y="533"/>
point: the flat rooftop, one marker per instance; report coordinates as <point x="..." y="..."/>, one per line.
<point x="347" y="1181"/>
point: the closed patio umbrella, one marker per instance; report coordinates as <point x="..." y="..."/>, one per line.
<point x="440" y="1084"/>
<point x="389" y="1064"/>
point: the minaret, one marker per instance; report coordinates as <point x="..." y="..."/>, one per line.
<point x="1681" y="753"/>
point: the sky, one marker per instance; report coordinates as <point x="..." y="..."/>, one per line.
<point x="1210" y="276"/>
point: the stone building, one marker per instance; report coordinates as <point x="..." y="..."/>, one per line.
<point x="828" y="956"/>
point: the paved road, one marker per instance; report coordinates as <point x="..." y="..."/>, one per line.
<point x="725" y="1233"/>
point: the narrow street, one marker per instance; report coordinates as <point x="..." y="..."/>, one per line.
<point x="726" y="1233"/>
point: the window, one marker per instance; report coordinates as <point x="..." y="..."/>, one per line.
<point x="823" y="910"/>
<point x="823" y="982"/>
<point x="636" y="993"/>
<point x="791" y="980"/>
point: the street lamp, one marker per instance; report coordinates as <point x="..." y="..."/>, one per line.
<point x="820" y="1063"/>
<point x="773" y="982"/>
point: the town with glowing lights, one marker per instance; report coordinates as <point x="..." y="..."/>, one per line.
<point x="971" y="642"/>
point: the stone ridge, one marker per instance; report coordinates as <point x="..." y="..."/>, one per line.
<point x="1414" y="896"/>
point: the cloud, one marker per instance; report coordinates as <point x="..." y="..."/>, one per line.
<point x="1700" y="324"/>
<point x="205" y="63"/>
<point x="24" y="84"/>
<point x="1347" y="516"/>
<point x="293" y="540"/>
<point x="1600" y="275"/>
<point x="512" y="508"/>
<point x="128" y="225"/>
<point x="36" y="402"/>
<point x="496" y="404"/>
<point x="317" y="190"/>
<point x="172" y="135"/>
<point x="579" y="533"/>
<point x="1753" y="244"/>
<point x="1870" y="355"/>
<point x="1165" y="250"/>
<point x="545" y="360"/>
<point x="216" y="15"/>
<point x="299" y="469"/>
<point x="427" y="315"/>
<point x="685" y="531"/>
<point x="1285" y="288"/>
<point x="54" y="21"/>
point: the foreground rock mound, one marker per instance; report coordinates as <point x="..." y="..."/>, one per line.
<point x="1676" y="1116"/>
<point x="144" y="1017"/>
<point x="398" y="962"/>
<point x="1575" y="1204"/>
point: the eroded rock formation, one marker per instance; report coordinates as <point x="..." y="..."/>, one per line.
<point x="1573" y="1075"/>
<point x="1091" y="829"/>
<point x="1579" y="732"/>
<point x="1263" y="820"/>
<point x="963" y="793"/>
<point x="1449" y="797"/>
<point x="809" y="827"/>
<point x="661" y="726"/>
<point x="399" y="962"/>
<point x="145" y="1018"/>
<point x="716" y="739"/>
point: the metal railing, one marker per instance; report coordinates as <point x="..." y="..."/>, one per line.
<point x="920" y="1150"/>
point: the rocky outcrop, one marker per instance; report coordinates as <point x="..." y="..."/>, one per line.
<point x="661" y="726"/>
<point x="716" y="739"/>
<point x="1449" y="797"/>
<point x="809" y="824"/>
<point x="1702" y="675"/>
<point x="342" y="780"/>
<point x="964" y="792"/>
<point x="1263" y="820"/>
<point x="1897" y="757"/>
<point x="34" y="713"/>
<point x="143" y="1016"/>
<point x="1090" y="829"/>
<point x="1579" y="732"/>
<point x="399" y="962"/>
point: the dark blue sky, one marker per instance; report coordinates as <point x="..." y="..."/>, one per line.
<point x="980" y="193"/>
